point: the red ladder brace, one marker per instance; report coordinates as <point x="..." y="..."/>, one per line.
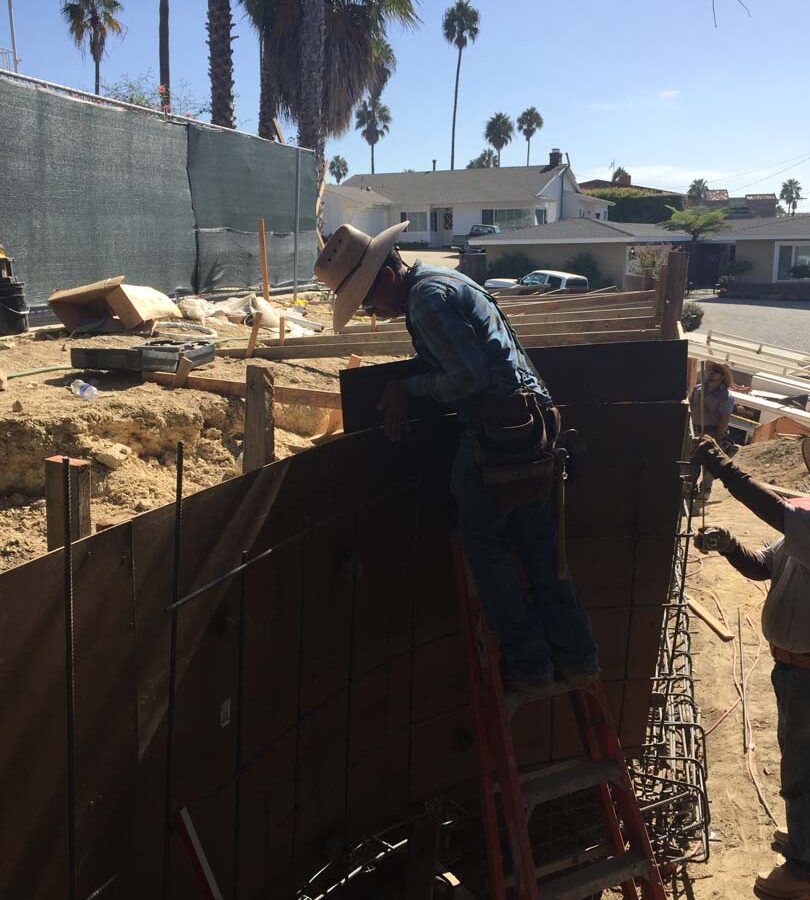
<point x="630" y="856"/>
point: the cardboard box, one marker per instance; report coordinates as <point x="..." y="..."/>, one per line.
<point x="103" y="301"/>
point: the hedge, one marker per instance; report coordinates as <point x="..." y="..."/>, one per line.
<point x="635" y="205"/>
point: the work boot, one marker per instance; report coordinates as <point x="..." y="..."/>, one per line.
<point x="780" y="838"/>
<point x="783" y="884"/>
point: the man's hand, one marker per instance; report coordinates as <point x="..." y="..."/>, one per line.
<point x="708" y="454"/>
<point x="394" y="404"/>
<point x="719" y="540"/>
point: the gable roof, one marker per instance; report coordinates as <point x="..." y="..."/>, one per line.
<point x="511" y="183"/>
<point x="585" y="230"/>
<point x="364" y="196"/>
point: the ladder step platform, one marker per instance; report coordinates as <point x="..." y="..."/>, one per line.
<point x="590" y="879"/>
<point x="546" y="783"/>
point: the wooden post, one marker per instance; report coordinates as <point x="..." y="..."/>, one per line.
<point x="184" y="367"/>
<point x="254" y="333"/>
<point x="319" y="208"/>
<point x="674" y="287"/>
<point x="263" y="257"/>
<point x="80" y="524"/>
<point x="660" y="295"/>
<point x="259" y="445"/>
<point x="282" y="330"/>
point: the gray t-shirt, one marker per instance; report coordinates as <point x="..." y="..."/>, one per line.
<point x="718" y="403"/>
<point x="786" y="613"/>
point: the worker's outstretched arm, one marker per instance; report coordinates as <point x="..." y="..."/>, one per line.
<point x="762" y="501"/>
<point x="753" y="564"/>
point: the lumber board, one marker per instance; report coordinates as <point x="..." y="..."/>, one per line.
<point x="258" y="447"/>
<point x="645" y="371"/>
<point x="326" y="349"/>
<point x="80" y="491"/>
<point x="229" y="388"/>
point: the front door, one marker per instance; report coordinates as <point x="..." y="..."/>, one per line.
<point x="441" y="227"/>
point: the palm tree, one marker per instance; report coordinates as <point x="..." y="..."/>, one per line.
<point x="372" y="120"/>
<point x="93" y="20"/>
<point x="698" y="190"/>
<point x="499" y="132"/>
<point x="220" y="61"/>
<point x="529" y="122"/>
<point x="460" y="24"/>
<point x="163" y="47"/>
<point x="338" y="168"/>
<point x="486" y="159"/>
<point x="791" y="193"/>
<point x="618" y="173"/>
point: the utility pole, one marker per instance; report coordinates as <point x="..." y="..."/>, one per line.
<point x="13" y="39"/>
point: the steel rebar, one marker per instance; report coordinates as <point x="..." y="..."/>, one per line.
<point x="70" y="682"/>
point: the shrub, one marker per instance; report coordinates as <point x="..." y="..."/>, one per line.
<point x="692" y="316"/>
<point x="637" y="205"/>
<point x="801" y="271"/>
<point x="512" y="265"/>
<point x="584" y="264"/>
<point x="650" y="256"/>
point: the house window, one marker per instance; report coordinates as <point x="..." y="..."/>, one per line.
<point x="790" y="257"/>
<point x="434" y="220"/>
<point x="510" y="218"/>
<point x="487" y="217"/>
<point x="447" y="220"/>
<point x="540" y="216"/>
<point x="418" y="220"/>
<point x="598" y="215"/>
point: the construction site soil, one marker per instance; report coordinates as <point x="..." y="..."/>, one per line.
<point x="133" y="428"/>
<point x="130" y="430"/>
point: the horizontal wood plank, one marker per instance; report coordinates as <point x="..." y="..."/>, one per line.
<point x="230" y="388"/>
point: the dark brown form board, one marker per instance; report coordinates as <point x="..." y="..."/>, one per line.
<point x="354" y="708"/>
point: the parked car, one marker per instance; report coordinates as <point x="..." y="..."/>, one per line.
<point x="462" y="241"/>
<point x="539" y="281"/>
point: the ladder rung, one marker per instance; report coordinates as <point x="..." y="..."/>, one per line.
<point x="596" y="877"/>
<point x="550" y="782"/>
<point x="580" y="858"/>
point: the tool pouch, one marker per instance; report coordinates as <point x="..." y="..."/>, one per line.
<point x="515" y="483"/>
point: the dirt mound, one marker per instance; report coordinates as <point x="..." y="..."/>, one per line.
<point x="776" y="462"/>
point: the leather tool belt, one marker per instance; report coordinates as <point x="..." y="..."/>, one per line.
<point x="802" y="660"/>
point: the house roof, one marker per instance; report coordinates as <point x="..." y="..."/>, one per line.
<point x="512" y="183"/>
<point x="777" y="228"/>
<point x="565" y="231"/>
<point x="718" y="196"/>
<point x="364" y="196"/>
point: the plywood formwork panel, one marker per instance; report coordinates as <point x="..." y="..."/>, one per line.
<point x="354" y="709"/>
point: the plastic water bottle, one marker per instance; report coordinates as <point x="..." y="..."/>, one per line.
<point x="84" y="390"/>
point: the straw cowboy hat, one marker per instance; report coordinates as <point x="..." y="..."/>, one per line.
<point x="350" y="262"/>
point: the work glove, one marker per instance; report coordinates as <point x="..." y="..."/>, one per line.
<point x="707" y="453"/>
<point x="713" y="539"/>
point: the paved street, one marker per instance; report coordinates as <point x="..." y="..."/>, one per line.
<point x="781" y="323"/>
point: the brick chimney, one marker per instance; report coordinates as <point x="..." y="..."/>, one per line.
<point x="624" y="180"/>
<point x="555" y="158"/>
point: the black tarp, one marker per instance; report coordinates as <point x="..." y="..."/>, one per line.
<point x="91" y="190"/>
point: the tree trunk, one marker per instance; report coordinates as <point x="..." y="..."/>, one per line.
<point x="163" y="46"/>
<point x="455" y="107"/>
<point x="268" y="107"/>
<point x="372" y="159"/>
<point x="528" y="149"/>
<point x="220" y="62"/>
<point x="97" y="61"/>
<point x="313" y="37"/>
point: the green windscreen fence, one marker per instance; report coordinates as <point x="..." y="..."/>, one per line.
<point x="89" y="190"/>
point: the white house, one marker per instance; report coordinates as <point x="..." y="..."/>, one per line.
<point x="444" y="203"/>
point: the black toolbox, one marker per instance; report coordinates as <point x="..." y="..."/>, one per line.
<point x="154" y="356"/>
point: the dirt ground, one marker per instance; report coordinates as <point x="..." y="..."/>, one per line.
<point x="741" y="829"/>
<point x="130" y="431"/>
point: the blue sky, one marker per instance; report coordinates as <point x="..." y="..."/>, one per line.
<point x="647" y="83"/>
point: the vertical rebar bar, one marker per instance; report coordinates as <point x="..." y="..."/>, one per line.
<point x="743" y="697"/>
<point x="70" y="685"/>
<point x="297" y="221"/>
<point x="240" y="681"/>
<point x="170" y="713"/>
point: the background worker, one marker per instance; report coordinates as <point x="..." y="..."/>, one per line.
<point x="477" y="366"/>
<point x="786" y="626"/>
<point x="712" y="420"/>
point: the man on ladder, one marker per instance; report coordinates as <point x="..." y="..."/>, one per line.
<point x="504" y="473"/>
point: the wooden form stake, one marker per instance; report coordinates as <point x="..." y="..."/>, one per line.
<point x="184" y="367"/>
<point x="674" y="288"/>
<point x="254" y="334"/>
<point x="282" y="330"/>
<point x="259" y="445"/>
<point x="263" y="258"/>
<point x="80" y="524"/>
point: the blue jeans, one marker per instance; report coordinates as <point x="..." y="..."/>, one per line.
<point x="546" y="627"/>
<point x="792" y="687"/>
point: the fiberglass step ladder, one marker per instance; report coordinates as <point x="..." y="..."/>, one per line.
<point x="627" y="858"/>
